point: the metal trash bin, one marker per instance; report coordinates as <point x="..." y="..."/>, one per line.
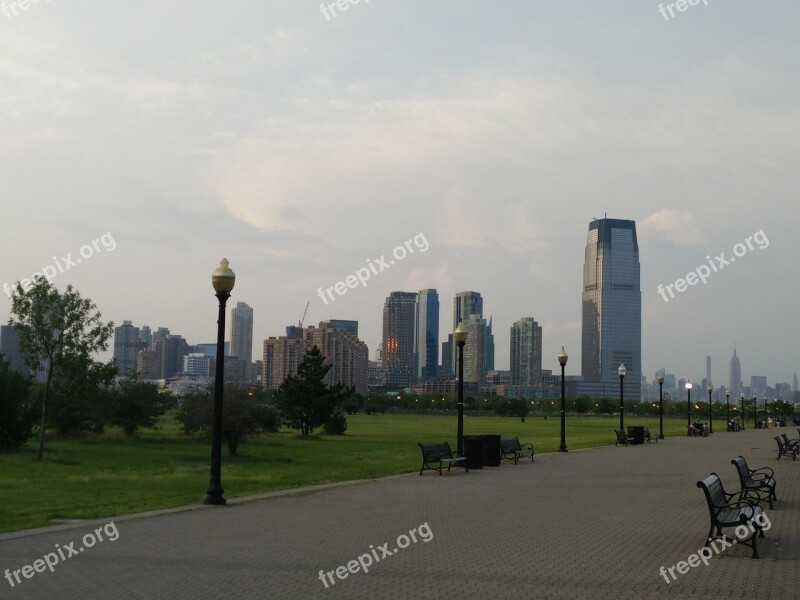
<point x="637" y="433"/>
<point x="492" y="452"/>
<point x="473" y="448"/>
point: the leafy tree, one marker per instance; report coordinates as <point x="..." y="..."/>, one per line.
<point x="245" y="413"/>
<point x="17" y="407"/>
<point x="136" y="404"/>
<point x="55" y="329"/>
<point x="79" y="398"/>
<point x="304" y="400"/>
<point x="337" y="425"/>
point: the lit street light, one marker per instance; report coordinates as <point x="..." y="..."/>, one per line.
<point x="661" y="407"/>
<point x="460" y="337"/>
<point x="688" y="406"/>
<point x="562" y="360"/>
<point x="621" y="373"/>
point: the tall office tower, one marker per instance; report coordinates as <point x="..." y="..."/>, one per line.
<point x="464" y="305"/>
<point x="9" y="348"/>
<point x="708" y="370"/>
<point x="426" y="340"/>
<point x="145" y="337"/>
<point x="158" y="337"/>
<point x="735" y="375"/>
<point x="242" y="337"/>
<point x="398" y="338"/>
<point x="526" y="353"/>
<point x="126" y="346"/>
<point x="147" y="365"/>
<point x="489" y="351"/>
<point x="758" y="385"/>
<point x="347" y="355"/>
<point x="446" y="368"/>
<point x="350" y="327"/>
<point x="794" y="382"/>
<point x="171" y="351"/>
<point x="282" y="356"/>
<point x="612" y="307"/>
<point x="475" y="349"/>
<point x="196" y="364"/>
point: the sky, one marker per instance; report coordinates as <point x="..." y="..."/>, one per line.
<point x="148" y="140"/>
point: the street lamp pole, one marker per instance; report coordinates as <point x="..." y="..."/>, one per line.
<point x="562" y="360"/>
<point x="621" y="373"/>
<point x="727" y="408"/>
<point x="460" y="337"/>
<point x="755" y="412"/>
<point x="223" y="279"/>
<point x="661" y="407"/>
<point x="688" y="406"/>
<point x="710" y="411"/>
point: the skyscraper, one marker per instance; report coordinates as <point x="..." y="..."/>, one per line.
<point x="464" y="305"/>
<point x="126" y="346"/>
<point x="475" y="349"/>
<point x="9" y="347"/>
<point x="347" y="355"/>
<point x="794" y="382"/>
<point x="242" y="336"/>
<point x="526" y="353"/>
<point x="426" y="340"/>
<point x="397" y="358"/>
<point x="612" y="307"/>
<point x="735" y="374"/>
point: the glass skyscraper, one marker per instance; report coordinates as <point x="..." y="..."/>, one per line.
<point x="612" y="308"/>
<point x="426" y="341"/>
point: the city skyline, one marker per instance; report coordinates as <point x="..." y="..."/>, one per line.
<point x="309" y="152"/>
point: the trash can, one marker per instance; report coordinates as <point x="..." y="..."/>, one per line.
<point x="637" y="433"/>
<point x="473" y="448"/>
<point x="492" y="452"/>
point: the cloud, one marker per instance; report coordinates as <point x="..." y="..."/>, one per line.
<point x="677" y="226"/>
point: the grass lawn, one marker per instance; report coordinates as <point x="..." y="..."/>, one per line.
<point x="98" y="476"/>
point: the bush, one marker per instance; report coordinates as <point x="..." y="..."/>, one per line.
<point x="134" y="405"/>
<point x="19" y="409"/>
<point x="337" y="425"/>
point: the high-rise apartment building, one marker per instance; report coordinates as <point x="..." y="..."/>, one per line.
<point x="242" y="337"/>
<point x="526" y="353"/>
<point x="426" y="341"/>
<point x="126" y="346"/>
<point x="347" y="355"/>
<point x="475" y="349"/>
<point x="9" y="348"/>
<point x="465" y="304"/>
<point x="397" y="358"/>
<point x="350" y="327"/>
<point x="612" y="307"/>
<point x="282" y="356"/>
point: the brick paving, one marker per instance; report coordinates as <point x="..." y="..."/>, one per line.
<point x="593" y="523"/>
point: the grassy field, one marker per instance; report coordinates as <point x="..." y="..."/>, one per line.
<point x="98" y="476"/>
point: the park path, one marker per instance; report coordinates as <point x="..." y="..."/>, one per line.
<point x="595" y="523"/>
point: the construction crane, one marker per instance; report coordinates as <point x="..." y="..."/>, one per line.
<point x="301" y="321"/>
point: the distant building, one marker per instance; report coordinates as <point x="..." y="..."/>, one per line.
<point x="758" y="385"/>
<point x="242" y="338"/>
<point x="612" y="308"/>
<point x="148" y="365"/>
<point x="399" y="312"/>
<point x="350" y="327"/>
<point x="465" y="304"/>
<point x="526" y="353"/>
<point x="281" y="358"/>
<point x="475" y="349"/>
<point x="347" y="355"/>
<point x="127" y="344"/>
<point x="170" y="351"/>
<point x="735" y="375"/>
<point x="9" y="347"/>
<point x="197" y="364"/>
<point x="426" y="340"/>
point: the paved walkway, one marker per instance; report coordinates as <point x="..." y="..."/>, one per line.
<point x="593" y="524"/>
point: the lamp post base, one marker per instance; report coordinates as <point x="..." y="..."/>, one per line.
<point x="214" y="496"/>
<point x="562" y="449"/>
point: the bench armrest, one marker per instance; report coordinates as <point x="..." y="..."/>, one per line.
<point x="526" y="447"/>
<point x="765" y="471"/>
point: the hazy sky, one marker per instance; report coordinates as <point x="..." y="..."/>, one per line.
<point x="299" y="146"/>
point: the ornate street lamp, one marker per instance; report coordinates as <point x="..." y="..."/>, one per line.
<point x="710" y="411"/>
<point x="727" y="408"/>
<point x="688" y="406"/>
<point x="460" y="337"/>
<point x="661" y="407"/>
<point x="755" y="412"/>
<point x="621" y="373"/>
<point x="222" y="279"/>
<point x="562" y="360"/>
<point x="742" y="407"/>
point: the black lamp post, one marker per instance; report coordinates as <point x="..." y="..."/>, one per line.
<point x="710" y="411"/>
<point x="661" y="407"/>
<point x="222" y="279"/>
<point x="742" y="407"/>
<point x="460" y="337"/>
<point x="621" y="373"/>
<point x="755" y="412"/>
<point x="688" y="406"/>
<point x="562" y="360"/>
<point x="727" y="408"/>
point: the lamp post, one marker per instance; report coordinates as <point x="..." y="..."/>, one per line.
<point x="222" y="279"/>
<point x="562" y="360"/>
<point x="688" y="406"/>
<point x="661" y="407"/>
<point x="460" y="337"/>
<point x="742" y="407"/>
<point x="766" y="411"/>
<point x="710" y="411"/>
<point x="621" y="373"/>
<point x="727" y="409"/>
<point x="755" y="412"/>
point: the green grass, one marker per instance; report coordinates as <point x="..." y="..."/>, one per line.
<point x="96" y="476"/>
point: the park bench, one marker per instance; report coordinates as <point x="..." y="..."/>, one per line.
<point x="442" y="455"/>
<point x="788" y="442"/>
<point x="647" y="437"/>
<point x="785" y="449"/>
<point x="730" y="510"/>
<point x="622" y="438"/>
<point x="512" y="449"/>
<point x="761" y="481"/>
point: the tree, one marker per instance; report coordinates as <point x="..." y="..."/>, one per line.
<point x="17" y="407"/>
<point x="55" y="329"/>
<point x="136" y="404"/>
<point x="305" y="401"/>
<point x="512" y="407"/>
<point x="78" y="399"/>
<point x="245" y="413"/>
